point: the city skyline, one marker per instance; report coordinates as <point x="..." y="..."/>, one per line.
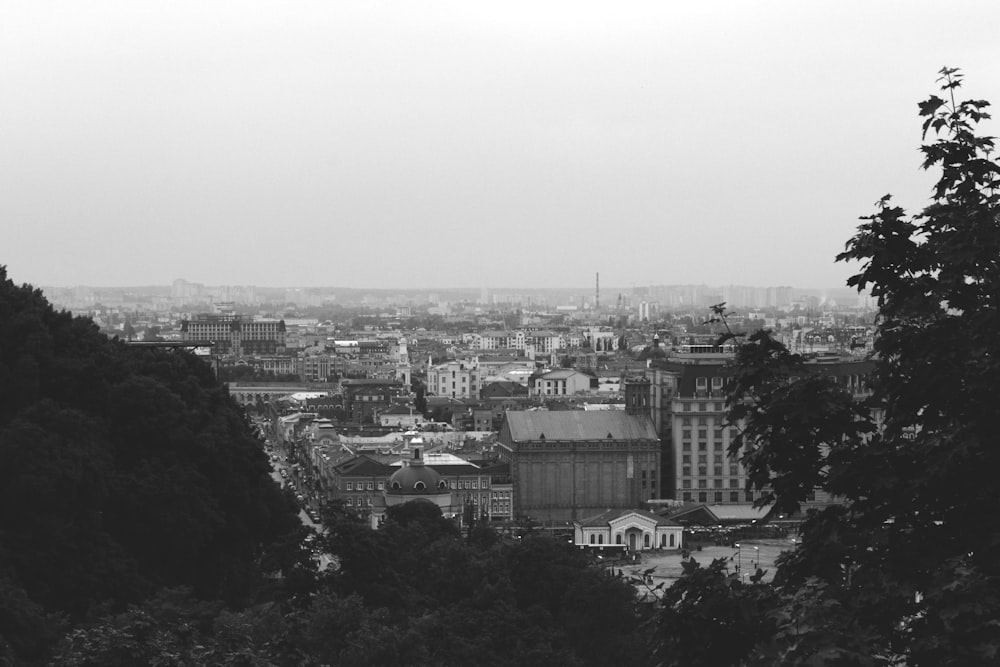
<point x="446" y="144"/>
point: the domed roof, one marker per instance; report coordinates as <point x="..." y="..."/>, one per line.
<point x="416" y="479"/>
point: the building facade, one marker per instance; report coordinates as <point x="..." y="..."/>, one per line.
<point x="570" y="464"/>
<point x="236" y="335"/>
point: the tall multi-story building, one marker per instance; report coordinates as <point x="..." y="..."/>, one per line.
<point x="236" y="335"/>
<point x="685" y="397"/>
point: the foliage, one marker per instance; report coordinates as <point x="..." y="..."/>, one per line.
<point x="122" y="471"/>
<point x="906" y="570"/>
<point x="483" y="600"/>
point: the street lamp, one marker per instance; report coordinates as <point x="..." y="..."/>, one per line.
<point x="739" y="557"/>
<point x="757" y="557"/>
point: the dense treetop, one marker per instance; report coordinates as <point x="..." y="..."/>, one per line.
<point x="122" y="471"/>
<point x="907" y="569"/>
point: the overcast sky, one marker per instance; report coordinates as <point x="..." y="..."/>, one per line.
<point x="464" y="144"/>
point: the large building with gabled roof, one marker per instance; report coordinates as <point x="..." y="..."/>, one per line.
<point x="571" y="464"/>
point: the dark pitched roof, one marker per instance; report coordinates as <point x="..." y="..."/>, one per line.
<point x="364" y="466"/>
<point x="604" y="518"/>
<point x="579" y="425"/>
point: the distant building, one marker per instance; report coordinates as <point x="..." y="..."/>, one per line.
<point x="236" y="335"/>
<point x="562" y="382"/>
<point x="639" y="530"/>
<point x="454" y="379"/>
<point x="685" y="396"/>
<point x="571" y="464"/>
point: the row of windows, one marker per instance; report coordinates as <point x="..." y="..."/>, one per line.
<point x="646" y="540"/>
<point x="719" y="458"/>
<point x="717" y="483"/>
<point x="717" y="496"/>
<point x="365" y="485"/>
<point x="703" y="407"/>
<point x="702" y="383"/>
<point x="465" y="484"/>
<point x="703" y="471"/>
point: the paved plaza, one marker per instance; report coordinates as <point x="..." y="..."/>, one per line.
<point x="751" y="554"/>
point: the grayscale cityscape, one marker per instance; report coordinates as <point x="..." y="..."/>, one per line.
<point x="510" y="334"/>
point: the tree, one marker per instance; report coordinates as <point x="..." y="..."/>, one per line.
<point x="907" y="568"/>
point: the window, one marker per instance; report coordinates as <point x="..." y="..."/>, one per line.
<point x="396" y="485"/>
<point x="686" y="434"/>
<point x="593" y="538"/>
<point x="703" y="407"/>
<point x="381" y="486"/>
<point x="618" y="538"/>
<point x="370" y="486"/>
<point x="600" y="539"/>
<point x="686" y="421"/>
<point x="702" y="497"/>
<point x="671" y="539"/>
<point x="702" y="470"/>
<point x="734" y="497"/>
<point x="717" y="483"/>
<point x="734" y="470"/>
<point x="701" y="384"/>
<point x="703" y="458"/>
<point x="645" y="540"/>
<point x="734" y="483"/>
<point x="350" y="486"/>
<point x="718" y="434"/>
<point x="702" y="434"/>
<point x="718" y="496"/>
<point x="749" y="496"/>
<point x="686" y="458"/>
<point x="419" y="486"/>
<point x="686" y="471"/>
<point x="350" y="501"/>
<point x="686" y="484"/>
<point x="717" y="383"/>
<point x="702" y="483"/>
<point x="686" y="446"/>
<point x="686" y="497"/>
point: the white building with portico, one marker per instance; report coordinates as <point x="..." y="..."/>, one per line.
<point x="639" y="530"/>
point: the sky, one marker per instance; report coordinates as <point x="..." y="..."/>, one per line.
<point x="465" y="144"/>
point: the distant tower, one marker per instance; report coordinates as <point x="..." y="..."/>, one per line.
<point x="597" y="291"/>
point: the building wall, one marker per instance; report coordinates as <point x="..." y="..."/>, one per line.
<point x="455" y="379"/>
<point x="564" y="481"/>
<point x="687" y="405"/>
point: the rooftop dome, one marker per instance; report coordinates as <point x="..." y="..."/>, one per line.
<point x="416" y="479"/>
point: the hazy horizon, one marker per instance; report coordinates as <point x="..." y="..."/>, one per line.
<point x="437" y="144"/>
